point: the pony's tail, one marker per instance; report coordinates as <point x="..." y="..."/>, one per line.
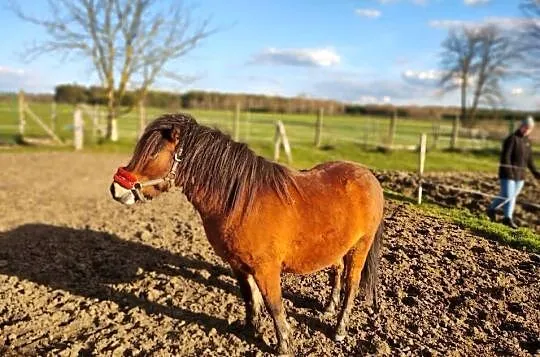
<point x="370" y="272"/>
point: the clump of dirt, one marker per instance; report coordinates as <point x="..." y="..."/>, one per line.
<point x="440" y="188"/>
<point x="83" y="275"/>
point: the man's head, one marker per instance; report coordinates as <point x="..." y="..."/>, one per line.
<point x="527" y="125"/>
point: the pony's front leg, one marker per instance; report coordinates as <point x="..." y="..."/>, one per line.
<point x="252" y="299"/>
<point x="269" y="282"/>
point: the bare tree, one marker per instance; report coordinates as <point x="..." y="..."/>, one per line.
<point x="459" y="52"/>
<point x="496" y="54"/>
<point x="477" y="59"/>
<point x="530" y="39"/>
<point x="126" y="41"/>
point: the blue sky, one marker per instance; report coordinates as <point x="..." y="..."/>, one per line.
<point x="364" y="51"/>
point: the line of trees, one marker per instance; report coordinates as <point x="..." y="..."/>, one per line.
<point x="73" y="94"/>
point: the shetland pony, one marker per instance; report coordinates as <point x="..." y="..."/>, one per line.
<point x="264" y="218"/>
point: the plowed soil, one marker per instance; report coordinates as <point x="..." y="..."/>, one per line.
<point x="469" y="190"/>
<point x="83" y="275"/>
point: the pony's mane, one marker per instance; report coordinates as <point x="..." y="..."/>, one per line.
<point x="223" y="174"/>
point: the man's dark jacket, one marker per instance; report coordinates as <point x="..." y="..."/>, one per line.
<point x="516" y="156"/>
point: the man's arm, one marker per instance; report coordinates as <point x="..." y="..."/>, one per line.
<point x="506" y="155"/>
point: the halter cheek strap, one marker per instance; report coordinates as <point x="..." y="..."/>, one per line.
<point x="128" y="181"/>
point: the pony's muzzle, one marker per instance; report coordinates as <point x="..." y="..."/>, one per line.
<point x="122" y="194"/>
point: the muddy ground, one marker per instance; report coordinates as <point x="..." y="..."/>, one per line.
<point x="442" y="188"/>
<point x="83" y="275"/>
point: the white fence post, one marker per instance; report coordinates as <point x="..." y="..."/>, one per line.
<point x="422" y="160"/>
<point x="22" y="122"/>
<point x="78" y="132"/>
<point x="53" y="116"/>
<point x="279" y="139"/>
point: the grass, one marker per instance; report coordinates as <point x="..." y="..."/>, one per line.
<point x="344" y="137"/>
<point x="477" y="223"/>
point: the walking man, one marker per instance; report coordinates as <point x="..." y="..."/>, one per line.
<point x="516" y="156"/>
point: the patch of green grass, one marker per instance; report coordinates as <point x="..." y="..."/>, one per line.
<point x="344" y="137"/>
<point x="476" y="223"/>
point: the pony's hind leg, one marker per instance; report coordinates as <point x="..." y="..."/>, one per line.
<point x="354" y="262"/>
<point x="269" y="282"/>
<point x="252" y="299"/>
<point x="335" y="295"/>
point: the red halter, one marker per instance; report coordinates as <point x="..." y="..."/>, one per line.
<point x="125" y="178"/>
<point x="128" y="181"/>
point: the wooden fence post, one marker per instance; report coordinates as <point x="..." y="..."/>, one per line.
<point x="22" y="122"/>
<point x="319" y="127"/>
<point x="421" y="161"/>
<point x="101" y="130"/>
<point x="455" y="133"/>
<point x="142" y="118"/>
<point x="392" y="128"/>
<point x="236" y="123"/>
<point x="53" y="116"/>
<point x="280" y="138"/>
<point x="436" y="128"/>
<point x="277" y="144"/>
<point x="95" y="123"/>
<point x="248" y="125"/>
<point x="366" y="132"/>
<point x="78" y="132"/>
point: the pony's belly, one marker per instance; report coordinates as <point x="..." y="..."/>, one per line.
<point x="318" y="254"/>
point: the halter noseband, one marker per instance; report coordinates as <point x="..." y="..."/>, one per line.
<point x="128" y="181"/>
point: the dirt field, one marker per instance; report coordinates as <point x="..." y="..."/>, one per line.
<point x="439" y="187"/>
<point x="83" y="275"/>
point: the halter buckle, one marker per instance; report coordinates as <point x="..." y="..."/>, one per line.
<point x="178" y="156"/>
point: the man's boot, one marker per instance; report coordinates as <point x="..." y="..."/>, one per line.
<point x="507" y="221"/>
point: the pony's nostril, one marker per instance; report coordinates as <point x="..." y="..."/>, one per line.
<point x="112" y="190"/>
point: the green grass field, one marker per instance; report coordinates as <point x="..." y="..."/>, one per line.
<point x="344" y="137"/>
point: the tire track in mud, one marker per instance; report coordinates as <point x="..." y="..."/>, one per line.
<point x="80" y="274"/>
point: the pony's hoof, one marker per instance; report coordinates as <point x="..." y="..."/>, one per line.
<point x="285" y="351"/>
<point x="285" y="354"/>
<point x="339" y="337"/>
<point x="329" y="310"/>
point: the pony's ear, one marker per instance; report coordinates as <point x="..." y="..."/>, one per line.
<point x="173" y="134"/>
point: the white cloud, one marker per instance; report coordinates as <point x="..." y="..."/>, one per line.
<point x="429" y="77"/>
<point x="506" y="23"/>
<point x="517" y="91"/>
<point x="13" y="79"/>
<point x="11" y="71"/>
<point x="366" y="99"/>
<point x="318" y="57"/>
<point x="369" y="99"/>
<point x="372" y="91"/>
<point x="475" y="2"/>
<point x="371" y="13"/>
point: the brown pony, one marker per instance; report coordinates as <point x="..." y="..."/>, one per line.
<point x="263" y="218"/>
